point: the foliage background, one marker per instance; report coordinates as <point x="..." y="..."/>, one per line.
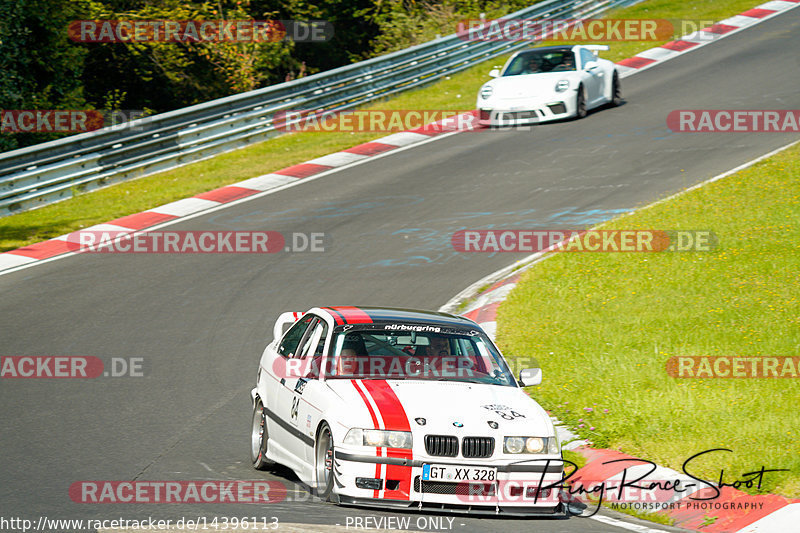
<point x="41" y="68"/>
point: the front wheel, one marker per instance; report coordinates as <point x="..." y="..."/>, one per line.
<point x="616" y="91"/>
<point x="259" y="438"/>
<point x="323" y="463"/>
<point x="580" y="103"/>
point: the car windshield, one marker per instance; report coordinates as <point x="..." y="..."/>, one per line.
<point x="403" y="351"/>
<point x="544" y="61"/>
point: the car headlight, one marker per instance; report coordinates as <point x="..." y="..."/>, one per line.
<point x="562" y="86"/>
<point x="514" y="445"/>
<point x="547" y="445"/>
<point x="553" y="447"/>
<point x="534" y="445"/>
<point x="486" y="92"/>
<point x="378" y="438"/>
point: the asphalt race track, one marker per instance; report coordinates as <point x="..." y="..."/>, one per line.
<point x="201" y="321"/>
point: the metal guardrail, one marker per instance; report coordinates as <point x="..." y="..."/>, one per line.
<point x="49" y="172"/>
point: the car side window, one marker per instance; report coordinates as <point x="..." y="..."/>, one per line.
<point x="466" y="348"/>
<point x="586" y="56"/>
<point x="314" y="348"/>
<point x="313" y="340"/>
<point x="322" y="338"/>
<point x="292" y="338"/>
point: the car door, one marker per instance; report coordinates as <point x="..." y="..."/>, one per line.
<point x="309" y="390"/>
<point x="593" y="78"/>
<point x="292" y="407"/>
<point x="288" y="346"/>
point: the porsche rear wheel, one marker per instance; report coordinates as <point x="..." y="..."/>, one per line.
<point x="580" y="103"/>
<point x="259" y="438"/>
<point x="616" y="91"/>
<point x="323" y="463"/>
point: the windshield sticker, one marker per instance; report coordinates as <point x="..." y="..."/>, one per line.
<point x="405" y="327"/>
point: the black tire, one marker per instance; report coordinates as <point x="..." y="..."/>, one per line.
<point x="580" y="103"/>
<point x="323" y="464"/>
<point x="616" y="91"/>
<point x="259" y="438"/>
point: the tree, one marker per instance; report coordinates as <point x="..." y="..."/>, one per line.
<point x="39" y="67"/>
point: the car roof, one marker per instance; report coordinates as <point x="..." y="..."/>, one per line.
<point x="384" y="315"/>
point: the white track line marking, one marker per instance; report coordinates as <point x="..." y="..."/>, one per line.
<point x="784" y="519"/>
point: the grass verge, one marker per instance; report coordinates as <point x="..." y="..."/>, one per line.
<point x="457" y="92"/>
<point x="603" y="326"/>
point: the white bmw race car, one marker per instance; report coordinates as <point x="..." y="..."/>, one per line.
<point x="548" y="83"/>
<point x="403" y="408"/>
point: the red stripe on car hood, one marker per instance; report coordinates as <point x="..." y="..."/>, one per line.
<point x="392" y="412"/>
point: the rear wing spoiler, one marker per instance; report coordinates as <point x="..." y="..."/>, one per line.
<point x="596" y="47"/>
<point x="285" y="319"/>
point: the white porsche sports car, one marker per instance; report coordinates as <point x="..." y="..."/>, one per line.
<point x="403" y="408"/>
<point x="548" y="83"/>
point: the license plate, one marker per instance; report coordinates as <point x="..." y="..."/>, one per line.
<point x="457" y="473"/>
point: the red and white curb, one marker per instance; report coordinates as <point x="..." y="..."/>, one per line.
<point x="733" y="510"/>
<point x="172" y="212"/>
<point x="64" y="245"/>
<point x="693" y="41"/>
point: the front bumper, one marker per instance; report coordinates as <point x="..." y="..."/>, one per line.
<point x="520" y="487"/>
<point x="527" y="111"/>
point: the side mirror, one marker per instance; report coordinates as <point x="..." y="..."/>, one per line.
<point x="590" y="65"/>
<point x="530" y="377"/>
<point x="494" y="73"/>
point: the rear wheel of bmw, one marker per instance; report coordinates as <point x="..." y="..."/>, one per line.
<point x="323" y="463"/>
<point x="259" y="438"/>
<point x="616" y="90"/>
<point x="580" y="103"/>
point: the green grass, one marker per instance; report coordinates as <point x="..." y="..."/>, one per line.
<point x="575" y="457"/>
<point x="603" y="326"/>
<point x="456" y="93"/>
